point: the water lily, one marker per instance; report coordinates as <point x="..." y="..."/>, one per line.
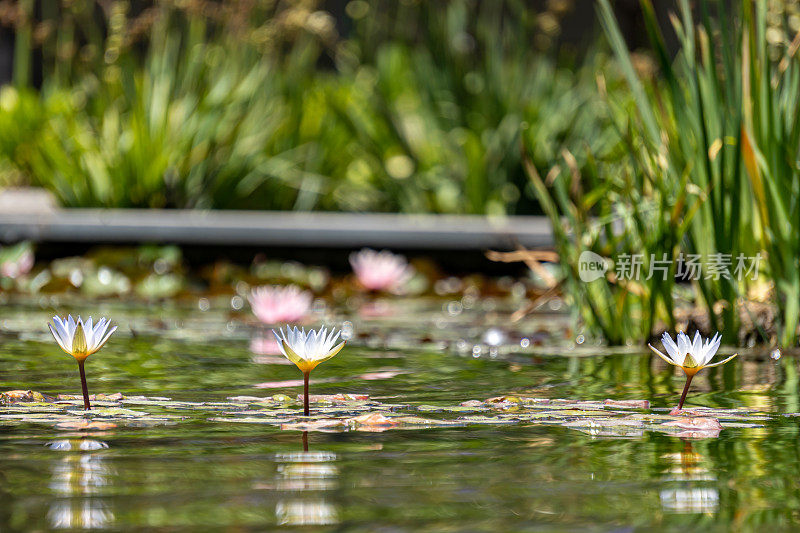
<point x="380" y="271"/>
<point x="19" y="267"/>
<point x="16" y="261"/>
<point x="307" y="350"/>
<point x="274" y="304"/>
<point x="80" y="340"/>
<point x="690" y="356"/>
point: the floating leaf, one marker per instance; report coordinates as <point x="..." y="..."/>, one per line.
<point x="358" y="412"/>
<point x="628" y="404"/>
<point x="699" y="434"/>
<point x="252" y="420"/>
<point x="448" y="408"/>
<point x="413" y="421"/>
<point x="334" y="398"/>
<point x="372" y="420"/>
<point x="93" y="397"/>
<point x="474" y="419"/>
<point x="698" y="423"/>
<point x="740" y="425"/>
<point x="85" y="425"/>
<point x="604" y="423"/>
<point x="504" y="400"/>
<point x="316" y="425"/>
<point x="113" y="412"/>
<point x="14" y="396"/>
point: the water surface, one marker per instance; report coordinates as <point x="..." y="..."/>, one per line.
<point x="203" y="475"/>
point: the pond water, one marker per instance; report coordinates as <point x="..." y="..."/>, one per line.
<point x="199" y="473"/>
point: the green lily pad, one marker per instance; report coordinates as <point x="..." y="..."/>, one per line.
<point x="251" y="420"/>
<point x="358" y="412"/>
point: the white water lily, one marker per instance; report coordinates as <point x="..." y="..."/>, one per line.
<point x="78" y="338"/>
<point x="691" y="356"/>
<point x="307" y="350"/>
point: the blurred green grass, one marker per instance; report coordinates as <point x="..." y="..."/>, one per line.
<point x="421" y="107"/>
<point x="711" y="148"/>
<point x="441" y="107"/>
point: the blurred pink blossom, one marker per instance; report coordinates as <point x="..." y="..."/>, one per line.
<point x="274" y="304"/>
<point x="19" y="266"/>
<point x="380" y="271"/>
<point x="265" y="346"/>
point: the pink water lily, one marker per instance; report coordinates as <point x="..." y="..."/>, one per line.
<point x="17" y="266"/>
<point x="273" y="304"/>
<point x="380" y="271"/>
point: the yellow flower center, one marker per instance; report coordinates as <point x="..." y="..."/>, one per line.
<point x="690" y="366"/>
<point x="79" y="348"/>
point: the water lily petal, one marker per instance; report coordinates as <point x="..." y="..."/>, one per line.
<point x="71" y="325"/>
<point x="670" y="346"/>
<point x="336" y="349"/>
<point x="721" y="362"/>
<point x="104" y="339"/>
<point x="711" y="347"/>
<point x="58" y="338"/>
<point x="662" y="356"/>
<point x="697" y="345"/>
<point x="98" y="333"/>
<point x="61" y="330"/>
<point x="88" y="330"/>
<point x="684" y="345"/>
<point x="291" y="355"/>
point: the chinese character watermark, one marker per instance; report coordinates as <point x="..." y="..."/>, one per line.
<point x="687" y="267"/>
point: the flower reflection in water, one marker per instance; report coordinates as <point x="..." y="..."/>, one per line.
<point x="303" y="472"/>
<point x="690" y="500"/>
<point x="691" y="487"/>
<point x="86" y="514"/>
<point x="306" y="512"/>
<point x="267" y="345"/>
<point x="78" y="477"/>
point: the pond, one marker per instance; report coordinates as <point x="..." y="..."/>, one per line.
<point x="210" y="459"/>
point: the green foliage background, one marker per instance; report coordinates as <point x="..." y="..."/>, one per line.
<point x="463" y="106"/>
<point x="420" y="107"/>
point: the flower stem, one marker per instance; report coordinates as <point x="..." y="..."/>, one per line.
<point x="685" y="390"/>
<point x="305" y="393"/>
<point x="86" y="405"/>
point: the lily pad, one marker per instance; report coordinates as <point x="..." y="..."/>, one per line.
<point x="698" y="423"/>
<point x="85" y="425"/>
<point x="14" y="396"/>
<point x="627" y="404"/>
<point x="358" y="412"/>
